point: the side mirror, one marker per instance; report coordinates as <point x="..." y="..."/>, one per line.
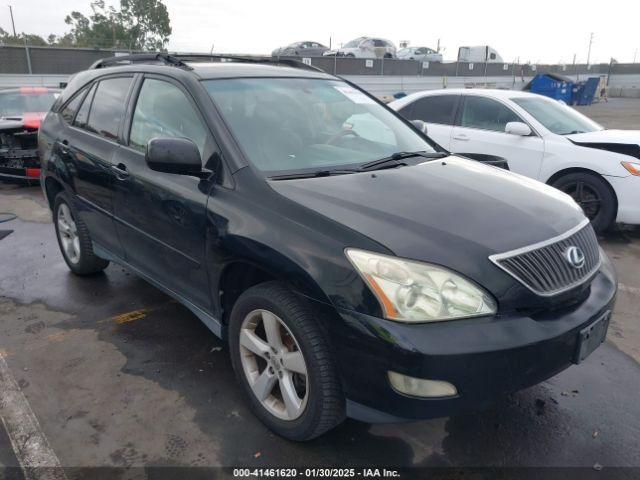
<point x="420" y="125"/>
<point x="174" y="155"/>
<point x="518" y="128"/>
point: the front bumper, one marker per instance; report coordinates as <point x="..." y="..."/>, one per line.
<point x="482" y="357"/>
<point x="628" y="193"/>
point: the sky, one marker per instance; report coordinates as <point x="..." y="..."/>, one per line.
<point x="537" y="32"/>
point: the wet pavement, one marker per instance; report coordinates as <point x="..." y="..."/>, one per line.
<point x="118" y="374"/>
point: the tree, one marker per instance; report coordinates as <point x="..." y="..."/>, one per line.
<point x="21" y="39"/>
<point x="137" y="25"/>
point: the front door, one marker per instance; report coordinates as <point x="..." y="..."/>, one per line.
<point x="161" y="217"/>
<point x="480" y="134"/>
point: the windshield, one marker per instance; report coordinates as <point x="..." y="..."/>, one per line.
<point x="353" y="43"/>
<point x="297" y="124"/>
<point x="16" y="103"/>
<point x="557" y="117"/>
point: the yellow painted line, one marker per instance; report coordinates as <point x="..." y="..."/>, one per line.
<point x="130" y="316"/>
<point x="57" y="337"/>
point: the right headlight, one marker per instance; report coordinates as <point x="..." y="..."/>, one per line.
<point x="632" y="167"/>
<point x="410" y="291"/>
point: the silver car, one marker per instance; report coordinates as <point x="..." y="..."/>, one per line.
<point x="300" y="49"/>
<point x="366" y="47"/>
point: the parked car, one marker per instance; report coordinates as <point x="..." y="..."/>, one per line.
<point x="301" y="49"/>
<point x="353" y="273"/>
<point x="540" y="138"/>
<point x="421" y="54"/>
<point x="479" y="54"/>
<point x="21" y="110"/>
<point x="365" y="47"/>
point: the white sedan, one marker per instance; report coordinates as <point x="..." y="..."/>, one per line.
<point x="540" y="138"/>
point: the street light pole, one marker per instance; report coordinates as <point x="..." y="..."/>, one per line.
<point x="13" y="25"/>
<point x="589" y="53"/>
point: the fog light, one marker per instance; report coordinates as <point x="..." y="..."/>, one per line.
<point x="419" y="387"/>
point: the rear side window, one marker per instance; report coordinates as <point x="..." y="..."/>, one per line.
<point x="439" y="109"/>
<point x="486" y="114"/>
<point x="108" y="107"/>
<point x="162" y="111"/>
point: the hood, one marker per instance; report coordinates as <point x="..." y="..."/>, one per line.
<point x="607" y="136"/>
<point x="453" y="212"/>
<point x="625" y="142"/>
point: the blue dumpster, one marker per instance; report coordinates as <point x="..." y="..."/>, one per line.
<point x="552" y="86"/>
<point x="587" y="90"/>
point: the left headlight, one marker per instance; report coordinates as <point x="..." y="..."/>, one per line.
<point x="410" y="291"/>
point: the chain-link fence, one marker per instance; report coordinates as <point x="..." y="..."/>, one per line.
<point x="51" y="60"/>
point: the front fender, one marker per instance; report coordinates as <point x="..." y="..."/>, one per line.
<point x="561" y="156"/>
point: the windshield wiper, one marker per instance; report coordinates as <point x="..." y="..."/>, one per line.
<point x="315" y="174"/>
<point x="573" y="133"/>
<point x="396" y="157"/>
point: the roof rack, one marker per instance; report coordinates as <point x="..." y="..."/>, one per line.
<point x="163" y="58"/>
<point x="178" y="60"/>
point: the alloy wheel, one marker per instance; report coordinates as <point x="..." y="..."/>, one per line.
<point x="273" y="365"/>
<point x="68" y="233"/>
<point x="585" y="196"/>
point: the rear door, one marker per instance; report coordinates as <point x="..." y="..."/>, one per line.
<point x="480" y="134"/>
<point x="86" y="147"/>
<point x="161" y="217"/>
<point x="438" y="112"/>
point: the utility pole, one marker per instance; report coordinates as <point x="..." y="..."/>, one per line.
<point x="438" y="47"/>
<point x="590" y="43"/>
<point x="13" y="25"/>
<point x="635" y="54"/>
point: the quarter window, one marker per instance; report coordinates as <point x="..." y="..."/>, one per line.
<point x="486" y="114"/>
<point x="83" y="114"/>
<point x="108" y="106"/>
<point x="439" y="109"/>
<point x="69" y="111"/>
<point x="162" y="111"/>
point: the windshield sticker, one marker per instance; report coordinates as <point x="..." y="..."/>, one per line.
<point x="356" y="96"/>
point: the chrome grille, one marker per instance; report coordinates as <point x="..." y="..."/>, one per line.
<point x="544" y="267"/>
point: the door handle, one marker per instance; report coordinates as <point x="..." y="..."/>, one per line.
<point x="461" y="137"/>
<point x="120" y="170"/>
<point x="64" y="146"/>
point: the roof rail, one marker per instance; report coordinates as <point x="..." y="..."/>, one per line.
<point x="163" y="58"/>
<point x="178" y="60"/>
<point x="289" y="62"/>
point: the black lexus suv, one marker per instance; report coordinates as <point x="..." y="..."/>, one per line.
<point x="355" y="267"/>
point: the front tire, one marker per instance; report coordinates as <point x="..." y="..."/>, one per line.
<point x="283" y="363"/>
<point x="74" y="239"/>
<point x="594" y="196"/>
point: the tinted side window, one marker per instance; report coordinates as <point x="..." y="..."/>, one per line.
<point x="163" y="110"/>
<point x="69" y="111"/>
<point x="436" y="109"/>
<point x="486" y="114"/>
<point x="108" y="107"/>
<point x="83" y="113"/>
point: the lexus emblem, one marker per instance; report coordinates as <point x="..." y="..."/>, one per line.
<point x="575" y="257"/>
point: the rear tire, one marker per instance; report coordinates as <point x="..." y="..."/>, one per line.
<point x="74" y="239"/>
<point x="320" y="403"/>
<point x="593" y="194"/>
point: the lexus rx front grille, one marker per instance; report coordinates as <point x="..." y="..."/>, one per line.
<point x="555" y="265"/>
